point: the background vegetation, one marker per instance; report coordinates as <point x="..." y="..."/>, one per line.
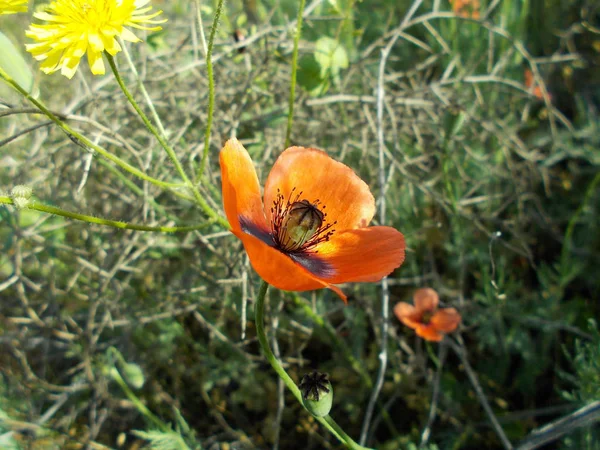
<point x="123" y="339"/>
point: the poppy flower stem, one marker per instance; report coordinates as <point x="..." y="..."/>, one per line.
<point x="259" y="316"/>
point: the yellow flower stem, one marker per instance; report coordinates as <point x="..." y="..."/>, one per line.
<point x="163" y="143"/>
<point x="36" y="206"/>
<point x="259" y="318"/>
<point x="290" y="120"/>
<point x="142" y="89"/>
<point x="211" y="88"/>
<point x="82" y="140"/>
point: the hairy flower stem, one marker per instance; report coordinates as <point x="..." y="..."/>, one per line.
<point x="211" y="87"/>
<point x="211" y="213"/>
<point x="81" y="140"/>
<point x="99" y="220"/>
<point x="290" y="119"/>
<point x="142" y="88"/>
<point x="259" y="317"/>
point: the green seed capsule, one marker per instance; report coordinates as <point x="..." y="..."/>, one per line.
<point x="317" y="393"/>
<point x="302" y="222"/>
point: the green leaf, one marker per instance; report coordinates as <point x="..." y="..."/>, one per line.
<point x="159" y="440"/>
<point x="332" y="57"/>
<point x="309" y="76"/>
<point x="13" y="63"/>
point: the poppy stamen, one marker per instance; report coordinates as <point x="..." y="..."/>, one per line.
<point x="426" y="317"/>
<point x="298" y="225"/>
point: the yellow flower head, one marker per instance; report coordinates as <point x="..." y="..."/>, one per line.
<point x="76" y="27"/>
<point x="12" y="6"/>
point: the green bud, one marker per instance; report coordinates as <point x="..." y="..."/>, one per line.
<point x="20" y="196"/>
<point x="317" y="393"/>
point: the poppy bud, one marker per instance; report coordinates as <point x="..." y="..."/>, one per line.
<point x="302" y="222"/>
<point x="317" y="393"/>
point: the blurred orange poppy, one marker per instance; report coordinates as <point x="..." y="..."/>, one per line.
<point x="533" y="87"/>
<point x="466" y="8"/>
<point x="425" y="318"/>
<point x="312" y="232"/>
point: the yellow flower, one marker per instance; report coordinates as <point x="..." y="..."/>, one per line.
<point x="77" y="27"/>
<point x="12" y="6"/>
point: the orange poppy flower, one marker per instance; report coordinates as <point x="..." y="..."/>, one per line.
<point x="533" y="87"/>
<point x="425" y="318"/>
<point x="312" y="230"/>
<point x="466" y="8"/>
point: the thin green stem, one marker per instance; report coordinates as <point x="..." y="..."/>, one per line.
<point x="170" y="152"/>
<point x="211" y="88"/>
<point x="142" y="89"/>
<point x="259" y="317"/>
<point x="345" y="350"/>
<point x="138" y="403"/>
<point x="567" y="242"/>
<point x="200" y="27"/>
<point x="82" y="140"/>
<point x="36" y="206"/>
<point x="131" y="395"/>
<point x="290" y="120"/>
<point x="259" y="313"/>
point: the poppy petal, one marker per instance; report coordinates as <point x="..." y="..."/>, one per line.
<point x="446" y="320"/>
<point x="407" y="314"/>
<point x="280" y="270"/>
<point x="346" y="198"/>
<point x="426" y="299"/>
<point x="241" y="190"/>
<point x="429" y="333"/>
<point x="363" y="254"/>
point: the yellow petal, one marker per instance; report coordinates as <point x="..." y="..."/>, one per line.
<point x="96" y="63"/>
<point x="96" y="43"/>
<point x="69" y="66"/>
<point x="127" y="35"/>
